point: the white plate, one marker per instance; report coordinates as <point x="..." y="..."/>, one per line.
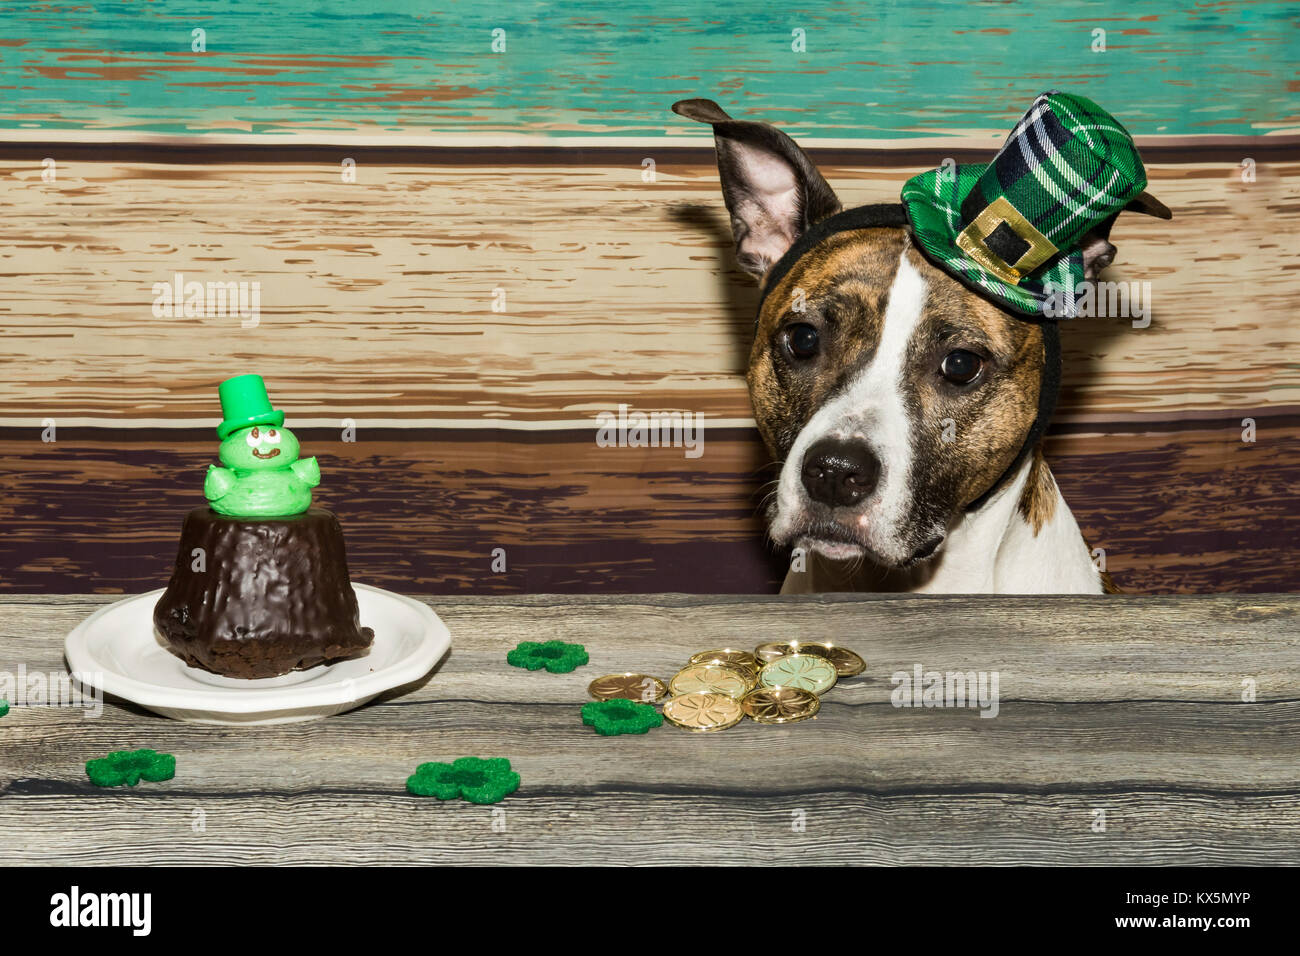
<point x="118" y="651"/>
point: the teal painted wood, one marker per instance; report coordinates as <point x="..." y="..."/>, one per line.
<point x="870" y="70"/>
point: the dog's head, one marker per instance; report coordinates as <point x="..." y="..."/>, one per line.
<point x="893" y="395"/>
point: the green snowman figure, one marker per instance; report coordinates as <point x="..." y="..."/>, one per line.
<point x="260" y="474"/>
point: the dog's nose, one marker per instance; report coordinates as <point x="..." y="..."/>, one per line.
<point x="837" y="472"/>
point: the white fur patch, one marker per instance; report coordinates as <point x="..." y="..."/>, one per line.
<point x="989" y="551"/>
<point x="995" y="551"/>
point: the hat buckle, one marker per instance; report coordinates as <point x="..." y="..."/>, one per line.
<point x="1001" y="240"/>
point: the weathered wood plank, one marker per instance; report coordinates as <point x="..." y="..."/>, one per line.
<point x="609" y="68"/>
<point x="1189" y="649"/>
<point x="560" y="828"/>
<point x="377" y="297"/>
<point x="1131" y="707"/>
<point x="1027" y="748"/>
<point x="1190" y="510"/>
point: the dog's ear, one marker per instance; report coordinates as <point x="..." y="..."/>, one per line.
<point x="772" y="190"/>
<point x="1097" y="250"/>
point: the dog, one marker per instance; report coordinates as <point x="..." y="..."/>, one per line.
<point x="905" y="409"/>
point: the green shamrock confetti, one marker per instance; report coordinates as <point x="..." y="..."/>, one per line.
<point x="610" y="718"/>
<point x="129" y="767"/>
<point x="556" y="656"/>
<point x="471" y="778"/>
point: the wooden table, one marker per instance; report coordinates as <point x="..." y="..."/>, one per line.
<point x="1122" y="711"/>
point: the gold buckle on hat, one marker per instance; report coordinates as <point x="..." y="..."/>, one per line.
<point x="999" y="211"/>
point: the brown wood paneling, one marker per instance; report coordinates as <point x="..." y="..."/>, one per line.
<point x="377" y="296"/>
<point x="1182" y="508"/>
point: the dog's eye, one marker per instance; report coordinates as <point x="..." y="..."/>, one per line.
<point x="802" y="340"/>
<point x="961" y="367"/>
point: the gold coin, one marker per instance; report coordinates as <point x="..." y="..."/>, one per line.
<point x="641" y="687"/>
<point x="712" y="679"/>
<point x="726" y="655"/>
<point x="770" y="652"/>
<point x="766" y="653"/>
<point x="702" y="712"/>
<point x="847" y="663"/>
<point x="780" y="705"/>
<point x="805" y="671"/>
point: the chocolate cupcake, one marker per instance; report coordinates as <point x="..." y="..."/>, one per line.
<point x="260" y="586"/>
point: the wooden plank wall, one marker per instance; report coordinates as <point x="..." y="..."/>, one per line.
<point x="475" y="427"/>
<point x="1179" y="509"/>
<point x="377" y="297"/>
<point x="599" y="68"/>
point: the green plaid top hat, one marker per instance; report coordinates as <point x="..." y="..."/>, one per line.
<point x="1010" y="229"/>
<point x="244" y="402"/>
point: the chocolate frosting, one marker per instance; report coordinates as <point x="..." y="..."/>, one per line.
<point x="271" y="595"/>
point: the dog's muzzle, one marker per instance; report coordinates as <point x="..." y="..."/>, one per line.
<point x="839" y="473"/>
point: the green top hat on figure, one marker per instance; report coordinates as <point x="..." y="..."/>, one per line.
<point x="244" y="402"/>
<point x="260" y="474"/>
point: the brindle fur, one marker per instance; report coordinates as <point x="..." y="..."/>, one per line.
<point x="1038" y="499"/>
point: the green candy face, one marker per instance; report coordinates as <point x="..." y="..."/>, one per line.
<point x="259" y="448"/>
